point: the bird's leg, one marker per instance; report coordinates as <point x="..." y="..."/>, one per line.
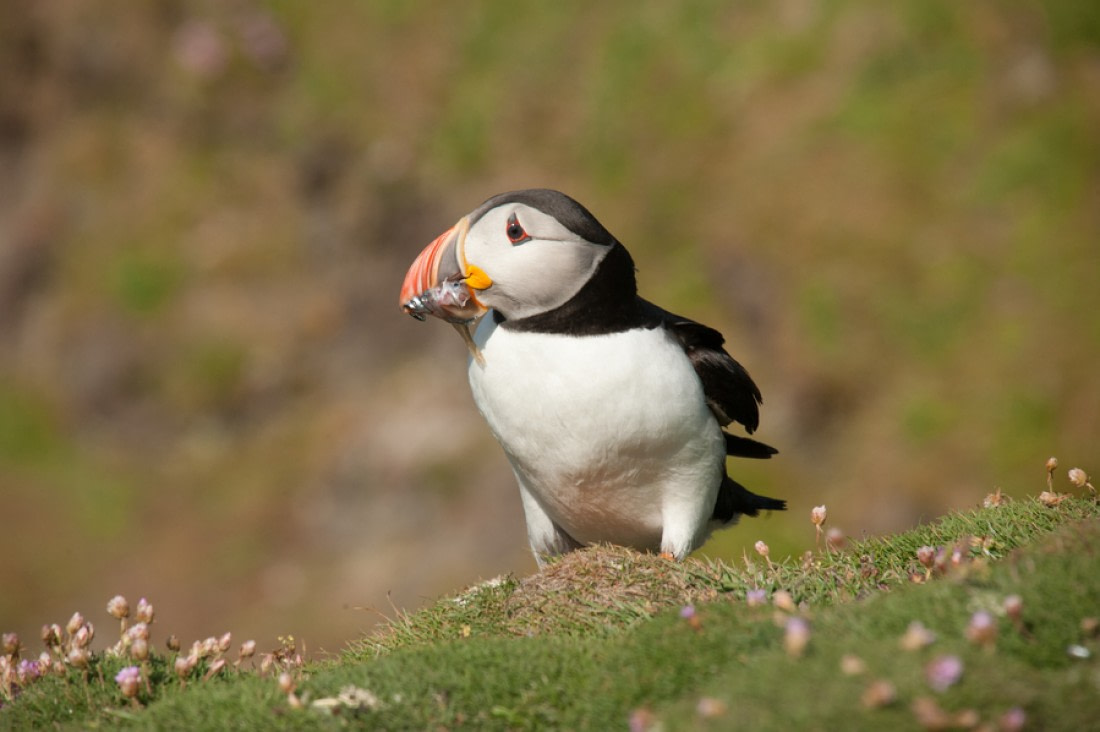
<point x="678" y="535"/>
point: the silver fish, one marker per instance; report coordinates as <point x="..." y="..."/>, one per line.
<point x="451" y="301"/>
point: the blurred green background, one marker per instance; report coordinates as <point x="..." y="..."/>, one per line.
<point x="209" y="397"/>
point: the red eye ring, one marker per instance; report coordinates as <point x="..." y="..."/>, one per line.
<point x="514" y="231"/>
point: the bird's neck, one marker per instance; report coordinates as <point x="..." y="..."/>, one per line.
<point x="607" y="303"/>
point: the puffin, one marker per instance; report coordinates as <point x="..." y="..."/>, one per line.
<point x="611" y="410"/>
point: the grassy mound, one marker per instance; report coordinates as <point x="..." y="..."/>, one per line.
<point x="606" y="636"/>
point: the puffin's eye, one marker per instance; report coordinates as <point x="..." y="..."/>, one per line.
<point x="515" y="231"/>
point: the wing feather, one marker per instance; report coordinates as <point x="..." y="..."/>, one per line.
<point x="731" y="394"/>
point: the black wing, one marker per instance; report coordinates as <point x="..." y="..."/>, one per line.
<point x="732" y="397"/>
<point x="730" y="392"/>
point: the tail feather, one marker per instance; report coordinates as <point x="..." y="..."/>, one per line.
<point x="747" y="447"/>
<point x="735" y="499"/>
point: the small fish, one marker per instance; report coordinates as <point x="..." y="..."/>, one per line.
<point x="467" y="337"/>
<point x="452" y="301"/>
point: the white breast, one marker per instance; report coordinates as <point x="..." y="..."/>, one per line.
<point x="609" y="434"/>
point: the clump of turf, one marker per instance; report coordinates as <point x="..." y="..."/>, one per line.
<point x="606" y="636"/>
<point x="604" y="588"/>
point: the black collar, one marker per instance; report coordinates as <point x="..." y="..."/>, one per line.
<point x="607" y="303"/>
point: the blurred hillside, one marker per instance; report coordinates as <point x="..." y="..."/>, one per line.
<point x="208" y="395"/>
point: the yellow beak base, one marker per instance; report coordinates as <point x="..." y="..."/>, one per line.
<point x="476" y="279"/>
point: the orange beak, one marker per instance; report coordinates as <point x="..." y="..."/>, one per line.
<point x="441" y="283"/>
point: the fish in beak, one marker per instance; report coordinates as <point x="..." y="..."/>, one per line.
<point x="442" y="284"/>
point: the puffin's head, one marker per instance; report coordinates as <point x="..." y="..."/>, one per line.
<point x="520" y="253"/>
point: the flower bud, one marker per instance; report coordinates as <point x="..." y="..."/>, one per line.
<point x="83" y="636"/>
<point x="835" y="539"/>
<point x="687" y="612"/>
<point x="9" y="642"/>
<point x="51" y="635"/>
<point x="286" y="683"/>
<point x="1050" y="499"/>
<point x="27" y="671"/>
<point x="818" y="515"/>
<point x="117" y="607"/>
<point x="129" y="680"/>
<point x="1014" y="607"/>
<point x="916" y="637"/>
<point x="1052" y="464"/>
<point x="784" y="601"/>
<point x="75" y="623"/>
<point x="710" y="708"/>
<point x="21" y="673"/>
<point x="79" y="657"/>
<point x="248" y="648"/>
<point x="173" y="643"/>
<point x="1078" y="477"/>
<point x="139" y="649"/>
<point x="215" y="667"/>
<point x="144" y="612"/>
<point x="1014" y="720"/>
<point x="138" y="630"/>
<point x="641" y="719"/>
<point x="756" y="598"/>
<point x="926" y="555"/>
<point x="852" y="665"/>
<point x="966" y="719"/>
<point x="224" y="642"/>
<point x="982" y="629"/>
<point x="796" y="636"/>
<point x="762" y="549"/>
<point x="184" y="664"/>
<point x="880" y="693"/>
<point x="943" y="672"/>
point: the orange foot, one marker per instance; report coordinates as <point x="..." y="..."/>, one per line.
<point x="667" y="555"/>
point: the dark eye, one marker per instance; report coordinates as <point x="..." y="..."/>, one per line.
<point x="515" y="231"/>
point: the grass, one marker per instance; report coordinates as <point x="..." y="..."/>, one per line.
<point x="602" y="637"/>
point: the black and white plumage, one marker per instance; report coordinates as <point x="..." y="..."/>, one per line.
<point x="610" y="409"/>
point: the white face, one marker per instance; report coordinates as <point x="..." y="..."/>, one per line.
<point x="534" y="262"/>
